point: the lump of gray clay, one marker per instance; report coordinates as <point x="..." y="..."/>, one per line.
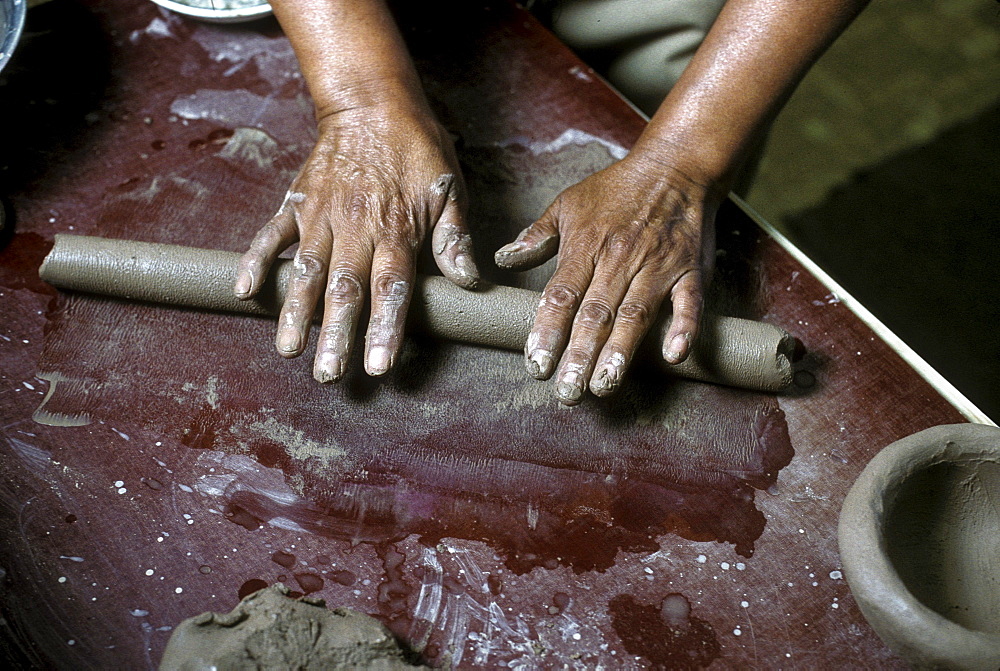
<point x="919" y="539"/>
<point x="268" y="630"/>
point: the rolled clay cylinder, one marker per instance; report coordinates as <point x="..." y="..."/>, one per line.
<point x="729" y="351"/>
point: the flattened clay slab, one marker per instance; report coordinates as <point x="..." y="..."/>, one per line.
<point x="730" y="351"/>
<point x="268" y="630"/>
<point x="920" y="542"/>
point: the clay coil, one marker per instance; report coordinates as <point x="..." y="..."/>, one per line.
<point x="730" y="351"/>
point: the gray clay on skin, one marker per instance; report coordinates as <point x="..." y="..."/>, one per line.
<point x="729" y="351"/>
<point x="267" y="630"/>
<point x="919" y="538"/>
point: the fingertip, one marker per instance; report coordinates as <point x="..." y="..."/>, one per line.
<point x="244" y="289"/>
<point x="527" y="252"/>
<point x="452" y="248"/>
<point x="677" y="347"/>
<point x="540" y="364"/>
<point x="506" y="257"/>
<point x="462" y="271"/>
<point x="378" y="360"/>
<point x="605" y="380"/>
<point x="328" y="367"/>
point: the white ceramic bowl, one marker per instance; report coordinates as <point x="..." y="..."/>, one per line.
<point x="218" y="11"/>
<point x="11" y="22"/>
<point x="919" y="539"/>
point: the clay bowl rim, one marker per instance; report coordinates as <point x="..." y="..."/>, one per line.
<point x="908" y="626"/>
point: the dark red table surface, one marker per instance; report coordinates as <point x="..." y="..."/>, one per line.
<point x="159" y="462"/>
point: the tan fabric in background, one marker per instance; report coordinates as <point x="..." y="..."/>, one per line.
<point x="640" y="46"/>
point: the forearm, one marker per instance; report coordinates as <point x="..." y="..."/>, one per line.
<point x="351" y="54"/>
<point x="753" y="57"/>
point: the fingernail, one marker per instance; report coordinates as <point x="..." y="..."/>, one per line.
<point x="379" y="360"/>
<point x="677" y="346"/>
<point x="539" y="364"/>
<point x="512" y="248"/>
<point x="329" y="368"/>
<point x="243" y="284"/>
<point x="605" y="380"/>
<point x="289" y="342"/>
<point x="569" y="389"/>
<point x="466" y="265"/>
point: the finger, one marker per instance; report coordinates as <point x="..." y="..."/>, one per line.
<point x="452" y="245"/>
<point x="554" y="318"/>
<point x="592" y="326"/>
<point x="686" y="297"/>
<point x="391" y="286"/>
<point x="304" y="288"/>
<point x="635" y="315"/>
<point x="271" y="240"/>
<point x="345" y="296"/>
<point x="534" y="246"/>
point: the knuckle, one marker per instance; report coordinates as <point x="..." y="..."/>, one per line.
<point x="390" y="287"/>
<point x="634" y="312"/>
<point x="595" y="314"/>
<point x="344" y="286"/>
<point x="622" y="239"/>
<point x="359" y="205"/>
<point x="310" y="264"/>
<point x="560" y="296"/>
<point x="687" y="303"/>
<point x="577" y="357"/>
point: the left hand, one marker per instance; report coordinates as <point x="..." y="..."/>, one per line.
<point x="628" y="237"/>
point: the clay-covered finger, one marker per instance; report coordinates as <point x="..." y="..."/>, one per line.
<point x="686" y="297"/>
<point x="304" y="289"/>
<point x="343" y="302"/>
<point x="635" y="315"/>
<point x="275" y="236"/>
<point x="554" y="319"/>
<point x="592" y="325"/>
<point x="391" y="288"/>
<point x="450" y="241"/>
<point x="534" y="246"/>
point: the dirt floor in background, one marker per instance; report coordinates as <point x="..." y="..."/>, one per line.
<point x="884" y="168"/>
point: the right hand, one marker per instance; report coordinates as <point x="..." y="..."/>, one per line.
<point x="378" y="179"/>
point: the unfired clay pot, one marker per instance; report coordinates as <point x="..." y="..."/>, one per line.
<point x="920" y="543"/>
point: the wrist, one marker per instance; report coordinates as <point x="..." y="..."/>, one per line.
<point x="367" y="94"/>
<point x="668" y="162"/>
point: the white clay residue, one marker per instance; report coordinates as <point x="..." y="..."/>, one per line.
<point x="241" y="108"/>
<point x="146" y="194"/>
<point x="294" y="440"/>
<point x="251" y="145"/>
<point x="273" y="57"/>
<point x="158" y="28"/>
<point x="210" y="391"/>
<point x="442" y="184"/>
<point x="570" y="137"/>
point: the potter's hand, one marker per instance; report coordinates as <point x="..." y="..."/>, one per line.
<point x="628" y="237"/>
<point x="377" y="181"/>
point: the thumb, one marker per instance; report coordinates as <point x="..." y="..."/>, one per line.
<point x="534" y="245"/>
<point x="452" y="247"/>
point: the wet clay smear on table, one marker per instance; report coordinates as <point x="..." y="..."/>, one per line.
<point x="269" y="630"/>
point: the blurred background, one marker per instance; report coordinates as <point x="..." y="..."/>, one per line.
<point x="885" y="169"/>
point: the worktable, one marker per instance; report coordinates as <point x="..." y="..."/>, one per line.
<point x="160" y="462"/>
